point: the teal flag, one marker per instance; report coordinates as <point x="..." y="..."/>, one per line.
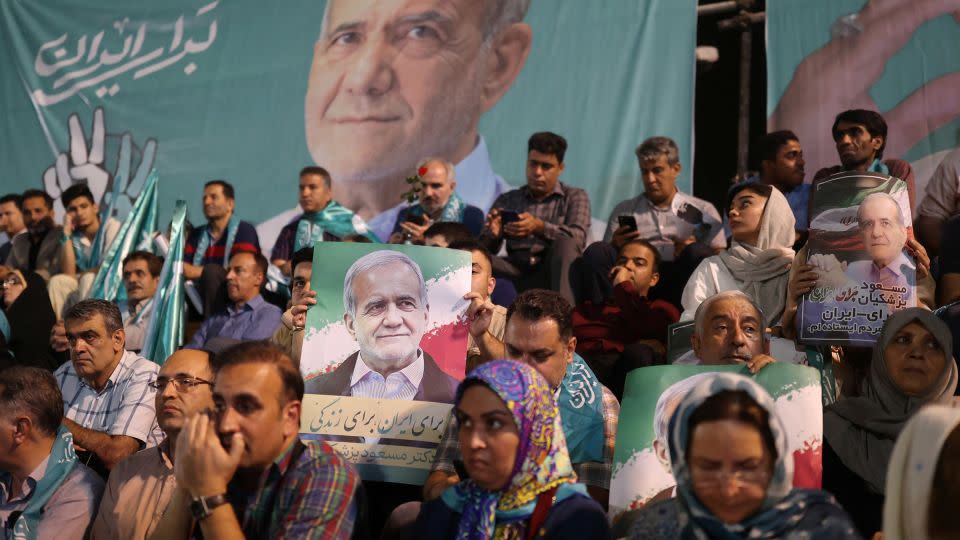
<point x="165" y="331"/>
<point x="204" y="89"/>
<point x="897" y="57"/>
<point x="136" y="233"/>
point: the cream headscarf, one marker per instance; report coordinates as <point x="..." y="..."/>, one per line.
<point x="764" y="268"/>
<point x="911" y="471"/>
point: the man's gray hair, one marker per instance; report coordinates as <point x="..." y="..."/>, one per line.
<point x="654" y="147"/>
<point x="499" y="15"/>
<point x="883" y="197"/>
<point x="370" y="261"/>
<point x="87" y="309"/>
<point x="503" y="13"/>
<point x="700" y="315"/>
<point x="447" y="166"/>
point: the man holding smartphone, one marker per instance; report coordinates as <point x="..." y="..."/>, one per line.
<point x="544" y="223"/>
<point x="683" y="228"/>
<point x="438" y="202"/>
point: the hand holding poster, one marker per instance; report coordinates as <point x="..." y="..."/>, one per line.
<point x="641" y="469"/>
<point x="859" y="226"/>
<point x="384" y="350"/>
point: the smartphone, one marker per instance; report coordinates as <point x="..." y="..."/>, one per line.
<point x="629" y="222"/>
<point x="419" y="220"/>
<point x="509" y="216"/>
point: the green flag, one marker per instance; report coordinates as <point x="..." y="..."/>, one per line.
<point x="165" y="331"/>
<point x="136" y="233"/>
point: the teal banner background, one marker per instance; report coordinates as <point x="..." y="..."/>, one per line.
<point x="603" y="78"/>
<point x="898" y="57"/>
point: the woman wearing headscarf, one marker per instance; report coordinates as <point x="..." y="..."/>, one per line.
<point x="912" y="365"/>
<point x="30" y="316"/>
<point x="734" y="473"/>
<point x="521" y="484"/>
<point x="923" y="479"/>
<point x="759" y="257"/>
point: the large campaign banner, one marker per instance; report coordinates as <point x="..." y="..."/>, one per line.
<point x="898" y="57"/>
<point x="384" y="350"/>
<point x="251" y="92"/>
<point x="859" y="225"/>
<point x="641" y="460"/>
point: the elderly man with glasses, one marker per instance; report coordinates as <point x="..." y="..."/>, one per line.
<point x="141" y="486"/>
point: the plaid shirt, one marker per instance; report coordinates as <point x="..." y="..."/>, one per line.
<point x="308" y="492"/>
<point x="565" y="213"/>
<point x="592" y="473"/>
<point x="125" y="406"/>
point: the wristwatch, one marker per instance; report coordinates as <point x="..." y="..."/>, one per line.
<point x="202" y="507"/>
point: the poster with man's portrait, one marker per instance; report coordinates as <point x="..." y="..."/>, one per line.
<point x="641" y="461"/>
<point x="384" y="350"/>
<point x="859" y="226"/>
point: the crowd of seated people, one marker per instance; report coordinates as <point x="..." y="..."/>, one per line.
<point x="97" y="441"/>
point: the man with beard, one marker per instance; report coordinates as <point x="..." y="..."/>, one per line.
<point x="140" y="487"/>
<point x="38" y="250"/>
<point x="438" y="203"/>
<point x="209" y="247"/>
<point x="248" y="317"/>
<point x="861" y="136"/>
<point x="392" y="82"/>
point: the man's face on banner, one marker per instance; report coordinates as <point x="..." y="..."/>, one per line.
<point x="881" y="230"/>
<point x="394" y="78"/>
<point x="390" y="316"/>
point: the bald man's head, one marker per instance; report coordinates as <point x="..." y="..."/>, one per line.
<point x="185" y="385"/>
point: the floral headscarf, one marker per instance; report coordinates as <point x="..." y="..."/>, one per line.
<point x="542" y="461"/>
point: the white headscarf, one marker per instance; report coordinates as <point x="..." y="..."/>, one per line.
<point x="764" y="268"/>
<point x="912" y="467"/>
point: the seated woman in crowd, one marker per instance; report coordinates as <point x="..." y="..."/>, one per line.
<point x="759" y="257"/>
<point x="30" y="316"/>
<point x="734" y="473"/>
<point x="521" y="479"/>
<point x="912" y="365"/>
<point x="923" y="479"/>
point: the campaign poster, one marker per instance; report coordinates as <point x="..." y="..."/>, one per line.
<point x="251" y="92"/>
<point x="641" y="460"/>
<point x="384" y="350"/>
<point x="859" y="225"/>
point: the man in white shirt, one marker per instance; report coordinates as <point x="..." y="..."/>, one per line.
<point x="683" y="228"/>
<point x="107" y="399"/>
<point x="884" y="235"/>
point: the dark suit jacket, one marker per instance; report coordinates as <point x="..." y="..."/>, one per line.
<point x="435" y="385"/>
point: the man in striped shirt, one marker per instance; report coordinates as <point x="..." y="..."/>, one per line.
<point x="107" y="400"/>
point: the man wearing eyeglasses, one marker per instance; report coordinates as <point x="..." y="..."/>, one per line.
<point x="141" y="487"/>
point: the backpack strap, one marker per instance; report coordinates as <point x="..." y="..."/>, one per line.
<point x="544" y="501"/>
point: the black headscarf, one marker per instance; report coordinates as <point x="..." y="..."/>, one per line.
<point x="31" y="318"/>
